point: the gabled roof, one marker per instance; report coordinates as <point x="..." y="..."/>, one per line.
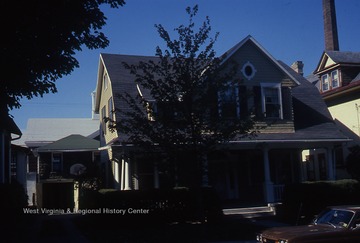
<point x="312" y="118"/>
<point x="332" y="58"/>
<point x="72" y="143"/>
<point x="120" y="77"/>
<point x="249" y="38"/>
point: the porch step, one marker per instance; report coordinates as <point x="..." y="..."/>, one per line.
<point x="251" y="212"/>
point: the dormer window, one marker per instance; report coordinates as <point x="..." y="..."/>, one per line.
<point x="334" y="79"/>
<point x="325" y="82"/>
<point x="330" y="81"/>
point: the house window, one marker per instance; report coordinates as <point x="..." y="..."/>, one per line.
<point x="248" y="70"/>
<point x="103" y="120"/>
<point x="111" y="111"/>
<point x="105" y="81"/>
<point x="271" y="100"/>
<point x="229" y="106"/>
<point x="325" y="82"/>
<point x="334" y="79"/>
<point x="56" y="162"/>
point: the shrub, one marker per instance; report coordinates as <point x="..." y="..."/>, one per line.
<point x="178" y="204"/>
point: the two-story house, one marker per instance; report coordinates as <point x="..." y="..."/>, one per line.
<point x="337" y="76"/>
<point x="289" y="110"/>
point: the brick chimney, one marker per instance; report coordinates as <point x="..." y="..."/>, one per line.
<point x="330" y="27"/>
<point x="298" y="67"/>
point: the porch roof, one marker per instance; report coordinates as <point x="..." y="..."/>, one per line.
<point x="72" y="143"/>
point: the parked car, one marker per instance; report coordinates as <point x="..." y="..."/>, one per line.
<point x="335" y="224"/>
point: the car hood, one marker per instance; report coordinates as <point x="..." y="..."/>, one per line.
<point x="290" y="232"/>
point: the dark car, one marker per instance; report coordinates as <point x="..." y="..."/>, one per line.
<point x="335" y="224"/>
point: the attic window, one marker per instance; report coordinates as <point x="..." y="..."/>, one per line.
<point x="248" y="70"/>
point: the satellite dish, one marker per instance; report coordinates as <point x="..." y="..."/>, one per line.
<point x="77" y="169"/>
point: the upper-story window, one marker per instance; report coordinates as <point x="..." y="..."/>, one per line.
<point x="105" y="81"/>
<point x="330" y="81"/>
<point x="325" y="82"/>
<point x="111" y="110"/>
<point x="334" y="79"/>
<point x="271" y="100"/>
<point x="103" y="119"/>
<point x="56" y="162"/>
<point x="229" y="106"/>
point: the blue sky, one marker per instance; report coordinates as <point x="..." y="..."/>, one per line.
<point x="290" y="30"/>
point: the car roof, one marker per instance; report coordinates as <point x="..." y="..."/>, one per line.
<point x="346" y="207"/>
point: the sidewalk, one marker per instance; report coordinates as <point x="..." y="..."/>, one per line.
<point x="47" y="228"/>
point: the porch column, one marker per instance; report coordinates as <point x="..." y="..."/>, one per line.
<point x="330" y="164"/>
<point x="156" y="176"/>
<point x="126" y="173"/>
<point x="268" y="185"/>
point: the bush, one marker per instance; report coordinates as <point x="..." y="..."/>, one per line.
<point x="304" y="200"/>
<point x="158" y="205"/>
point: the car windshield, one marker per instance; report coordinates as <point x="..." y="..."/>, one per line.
<point x="335" y="217"/>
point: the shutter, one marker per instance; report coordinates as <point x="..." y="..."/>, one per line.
<point x="286" y="103"/>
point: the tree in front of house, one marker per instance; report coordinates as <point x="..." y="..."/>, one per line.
<point x="40" y="39"/>
<point x="187" y="99"/>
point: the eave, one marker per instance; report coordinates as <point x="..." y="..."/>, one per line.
<point x="334" y="93"/>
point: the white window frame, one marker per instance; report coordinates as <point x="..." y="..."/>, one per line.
<point x="111" y="112"/>
<point x="276" y="86"/>
<point x="105" y="81"/>
<point x="325" y="82"/>
<point x="103" y="116"/>
<point x="333" y="73"/>
<point x="234" y="88"/>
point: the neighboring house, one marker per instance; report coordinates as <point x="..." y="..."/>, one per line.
<point x="339" y="84"/>
<point x="45" y="131"/>
<point x="9" y="132"/>
<point x="337" y="76"/>
<point x="67" y="157"/>
<point x="291" y="113"/>
<point x="60" y="164"/>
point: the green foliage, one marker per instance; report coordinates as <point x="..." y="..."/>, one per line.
<point x="40" y="41"/>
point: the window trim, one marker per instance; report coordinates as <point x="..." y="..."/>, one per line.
<point x="323" y="82"/>
<point x="111" y="111"/>
<point x="105" y="80"/>
<point x="103" y="116"/>
<point x="248" y="64"/>
<point x="332" y="79"/>
<point x="276" y="86"/>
